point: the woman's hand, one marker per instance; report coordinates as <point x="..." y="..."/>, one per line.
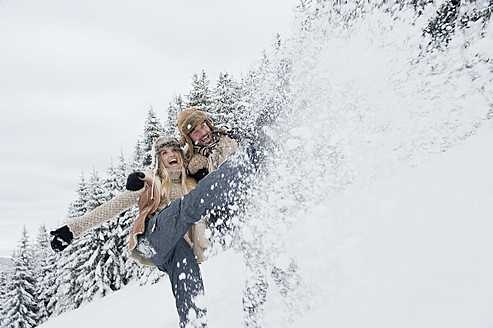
<point x="135" y="182"/>
<point x="62" y="237"/>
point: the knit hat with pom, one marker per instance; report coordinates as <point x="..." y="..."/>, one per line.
<point x="159" y="145"/>
<point x="187" y="121"/>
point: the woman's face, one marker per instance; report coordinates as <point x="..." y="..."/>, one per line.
<point x="171" y="158"/>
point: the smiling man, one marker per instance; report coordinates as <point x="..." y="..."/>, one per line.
<point x="206" y="146"/>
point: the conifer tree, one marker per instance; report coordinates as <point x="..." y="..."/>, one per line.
<point x="91" y="253"/>
<point x="21" y="304"/>
<point x="443" y="25"/>
<point x="68" y="282"/>
<point x="132" y="268"/>
<point x="45" y="273"/>
<point x="138" y="157"/>
<point x="452" y="16"/>
<point x="4" y="274"/>
<point x="116" y="267"/>
<point x="266" y="90"/>
<point x="153" y="129"/>
<point x="149" y="275"/>
<point x="226" y="105"/>
<point x="79" y="207"/>
<point x="200" y="95"/>
<point x="174" y="109"/>
<point x="114" y="184"/>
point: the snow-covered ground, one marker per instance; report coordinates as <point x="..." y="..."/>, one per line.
<point x="413" y="250"/>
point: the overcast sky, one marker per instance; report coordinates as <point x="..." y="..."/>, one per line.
<point x="78" y="77"/>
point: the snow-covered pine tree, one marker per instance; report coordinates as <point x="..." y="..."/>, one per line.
<point x="119" y="268"/>
<point x="149" y="275"/>
<point x="138" y="157"/>
<point x="92" y="254"/>
<point x="4" y="274"/>
<point x="153" y="129"/>
<point x="200" y="95"/>
<point x="226" y="101"/>
<point x="443" y="25"/>
<point x="21" y="304"/>
<point x="249" y="84"/>
<point x="266" y="89"/>
<point x="114" y="184"/>
<point x="132" y="268"/>
<point x="45" y="273"/>
<point x="174" y="109"/>
<point x="68" y="282"/>
<point x="79" y="207"/>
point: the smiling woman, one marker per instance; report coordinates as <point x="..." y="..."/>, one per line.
<point x="174" y="254"/>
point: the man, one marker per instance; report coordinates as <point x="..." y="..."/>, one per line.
<point x="206" y="148"/>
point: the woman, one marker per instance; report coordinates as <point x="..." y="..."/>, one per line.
<point x="150" y="245"/>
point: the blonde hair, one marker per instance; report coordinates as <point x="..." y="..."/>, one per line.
<point x="187" y="183"/>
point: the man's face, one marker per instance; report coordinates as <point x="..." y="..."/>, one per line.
<point x="201" y="135"/>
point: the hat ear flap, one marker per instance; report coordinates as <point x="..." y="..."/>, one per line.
<point x="185" y="149"/>
<point x="157" y="163"/>
<point x="189" y="150"/>
<point x="184" y="161"/>
<point x="182" y="139"/>
<point x="159" y="168"/>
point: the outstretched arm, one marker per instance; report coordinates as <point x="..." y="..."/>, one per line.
<point x="63" y="236"/>
<point x="104" y="212"/>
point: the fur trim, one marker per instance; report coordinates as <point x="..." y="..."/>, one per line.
<point x="163" y="142"/>
<point x="225" y="147"/>
<point x="197" y="163"/>
<point x="189" y="119"/>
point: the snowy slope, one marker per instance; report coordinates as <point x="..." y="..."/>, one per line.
<point x="413" y="250"/>
<point x="154" y="305"/>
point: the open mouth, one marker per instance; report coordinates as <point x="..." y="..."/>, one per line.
<point x="206" y="139"/>
<point x="173" y="161"/>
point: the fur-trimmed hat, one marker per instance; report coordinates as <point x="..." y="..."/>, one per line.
<point x="187" y="121"/>
<point x="159" y="145"/>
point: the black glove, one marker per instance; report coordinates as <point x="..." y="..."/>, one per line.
<point x="62" y="237"/>
<point x="134" y="182"/>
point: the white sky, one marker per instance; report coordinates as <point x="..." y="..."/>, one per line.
<point x="78" y="77"/>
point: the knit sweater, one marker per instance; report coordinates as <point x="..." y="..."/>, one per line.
<point x="195" y="236"/>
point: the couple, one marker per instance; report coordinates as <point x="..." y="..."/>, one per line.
<point x="169" y="231"/>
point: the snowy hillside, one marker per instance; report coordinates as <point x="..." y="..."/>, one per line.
<point x="411" y="251"/>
